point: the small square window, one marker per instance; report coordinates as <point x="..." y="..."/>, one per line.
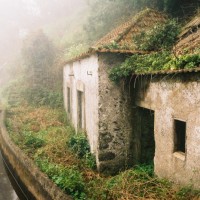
<point x="179" y="136"/>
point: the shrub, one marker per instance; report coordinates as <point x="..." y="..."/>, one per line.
<point x="188" y="193"/>
<point x="80" y="146"/>
<point x="43" y="97"/>
<point x="32" y="141"/>
<point x="68" y="179"/>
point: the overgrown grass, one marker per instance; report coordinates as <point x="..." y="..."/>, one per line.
<point x="48" y="138"/>
<point x="69" y="179"/>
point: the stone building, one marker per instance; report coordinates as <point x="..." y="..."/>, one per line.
<point x="166" y="115"/>
<point x="94" y="103"/>
<point x="153" y="118"/>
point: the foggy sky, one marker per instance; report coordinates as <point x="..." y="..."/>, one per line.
<point x="19" y="17"/>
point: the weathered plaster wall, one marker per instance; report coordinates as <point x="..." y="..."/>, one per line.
<point x="114" y="119"/>
<point x="26" y="172"/>
<point x="83" y="75"/>
<point x="174" y="97"/>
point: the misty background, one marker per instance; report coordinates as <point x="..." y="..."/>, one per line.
<point x="65" y="27"/>
<point x="19" y="18"/>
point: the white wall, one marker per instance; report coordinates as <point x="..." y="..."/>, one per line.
<point x="83" y="75"/>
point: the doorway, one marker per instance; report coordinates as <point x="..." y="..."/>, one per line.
<point x="147" y="136"/>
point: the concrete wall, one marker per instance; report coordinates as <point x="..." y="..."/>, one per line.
<point x="173" y="97"/>
<point x="114" y="119"/>
<point x="83" y="76"/>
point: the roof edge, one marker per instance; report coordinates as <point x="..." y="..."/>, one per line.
<point x="161" y="72"/>
<point x="93" y="51"/>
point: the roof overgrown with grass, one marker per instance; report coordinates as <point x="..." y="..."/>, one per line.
<point x="120" y="39"/>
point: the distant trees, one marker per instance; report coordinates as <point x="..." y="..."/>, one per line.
<point x="106" y="14"/>
<point x="43" y="85"/>
<point x="38" y="53"/>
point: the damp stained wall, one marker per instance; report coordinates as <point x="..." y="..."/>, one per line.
<point x="173" y="98"/>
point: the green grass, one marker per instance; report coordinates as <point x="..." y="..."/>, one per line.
<point x="45" y="134"/>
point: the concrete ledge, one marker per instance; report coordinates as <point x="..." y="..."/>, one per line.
<point x="179" y="155"/>
<point x="36" y="182"/>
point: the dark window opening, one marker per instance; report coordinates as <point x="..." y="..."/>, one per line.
<point x="80" y="109"/>
<point x="68" y="100"/>
<point x="179" y="136"/>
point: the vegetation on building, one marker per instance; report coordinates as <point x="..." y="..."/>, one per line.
<point x="37" y="123"/>
<point x="160" y="56"/>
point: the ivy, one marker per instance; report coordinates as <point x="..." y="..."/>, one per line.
<point x="137" y="64"/>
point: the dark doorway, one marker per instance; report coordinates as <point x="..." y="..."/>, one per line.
<point x="147" y="136"/>
<point x="80" y="109"/>
<point x="143" y="143"/>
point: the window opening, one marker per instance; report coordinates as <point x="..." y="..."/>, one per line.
<point x="147" y="136"/>
<point x="179" y="136"/>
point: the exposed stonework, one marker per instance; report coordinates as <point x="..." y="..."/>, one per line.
<point x="173" y="97"/>
<point x="26" y="172"/>
<point x="106" y="110"/>
<point x="114" y="119"/>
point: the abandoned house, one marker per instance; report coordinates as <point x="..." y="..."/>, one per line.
<point x="155" y="119"/>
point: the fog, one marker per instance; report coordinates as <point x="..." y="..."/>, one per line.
<point x="67" y="22"/>
<point x="19" y="17"/>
